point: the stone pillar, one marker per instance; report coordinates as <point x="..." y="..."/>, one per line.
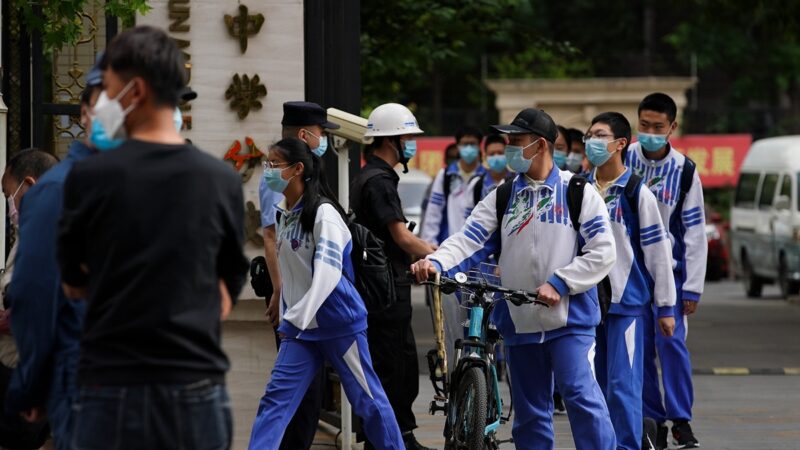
<point x="574" y="102"/>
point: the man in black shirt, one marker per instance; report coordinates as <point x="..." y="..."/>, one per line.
<point x="152" y="234"/>
<point x="377" y="206"/>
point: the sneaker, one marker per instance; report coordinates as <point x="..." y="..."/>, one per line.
<point x="412" y="444"/>
<point x="683" y="436"/>
<point x="661" y="437"/>
<point x="649" y="434"/>
<point x="558" y="405"/>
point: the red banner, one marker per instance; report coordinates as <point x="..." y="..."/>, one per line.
<point x="718" y="157"/>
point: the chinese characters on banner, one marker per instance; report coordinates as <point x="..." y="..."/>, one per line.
<point x="718" y="157"/>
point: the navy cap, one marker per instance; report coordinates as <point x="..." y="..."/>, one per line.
<point x="306" y="113"/>
<point x="95" y="75"/>
<point x="528" y="121"/>
<point x="187" y="94"/>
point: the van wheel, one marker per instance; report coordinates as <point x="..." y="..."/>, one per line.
<point x="752" y="282"/>
<point x="788" y="287"/>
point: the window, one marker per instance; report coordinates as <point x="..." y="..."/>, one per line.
<point x="768" y="190"/>
<point x="746" y="190"/>
<point x="786" y="187"/>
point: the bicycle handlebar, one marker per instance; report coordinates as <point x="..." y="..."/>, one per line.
<point x="518" y="297"/>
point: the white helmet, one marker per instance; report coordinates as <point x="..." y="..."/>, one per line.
<point x="391" y="119"/>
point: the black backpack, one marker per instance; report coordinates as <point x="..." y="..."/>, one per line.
<point x="574" y="203"/>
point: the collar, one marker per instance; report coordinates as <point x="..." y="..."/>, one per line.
<point x="79" y="150"/>
<point x="655" y="163"/>
<point x="622" y="180"/>
<point x="281" y="206"/>
<point x="379" y="163"/>
<point x="550" y="182"/>
<point x="453" y="168"/>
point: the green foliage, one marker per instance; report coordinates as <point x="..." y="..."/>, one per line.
<point x="60" y="21"/>
<point x="545" y="59"/>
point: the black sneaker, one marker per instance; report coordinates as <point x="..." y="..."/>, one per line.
<point x="649" y="434"/>
<point x="412" y="444"/>
<point x="683" y="436"/>
<point x="558" y="405"/>
<point x="661" y="437"/>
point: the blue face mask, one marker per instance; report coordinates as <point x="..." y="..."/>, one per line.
<point x="574" y="162"/>
<point x="652" y="142"/>
<point x="597" y="151"/>
<point x="410" y="149"/>
<point x="516" y="161"/>
<point x="497" y="163"/>
<point x="323" y="146"/>
<point x="274" y="180"/>
<point x="100" y="138"/>
<point x="177" y="117"/>
<point x="560" y="158"/>
<point x="468" y="153"/>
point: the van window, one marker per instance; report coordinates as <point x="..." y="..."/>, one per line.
<point x="746" y="190"/>
<point x="768" y="190"/>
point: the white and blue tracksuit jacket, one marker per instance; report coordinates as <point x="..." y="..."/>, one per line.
<point x="643" y="271"/>
<point x="318" y="302"/>
<point x="444" y="217"/>
<point x="686" y="227"/>
<point x="539" y="244"/>
<point x="487" y="185"/>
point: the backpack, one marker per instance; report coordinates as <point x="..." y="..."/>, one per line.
<point x="574" y="204"/>
<point x="374" y="276"/>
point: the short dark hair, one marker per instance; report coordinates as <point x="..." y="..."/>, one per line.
<point x="619" y="126"/>
<point x="494" y="139"/>
<point x="660" y="103"/>
<point x="30" y="162"/>
<point x="148" y="52"/>
<point x="469" y="130"/>
<point x="564" y="132"/>
<point x="575" y="135"/>
<point x="86" y="95"/>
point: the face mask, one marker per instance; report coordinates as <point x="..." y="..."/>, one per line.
<point x="410" y="149"/>
<point x="177" y="117"/>
<point x="109" y="113"/>
<point x="574" y="161"/>
<point x="497" y="163"/>
<point x="274" y="180"/>
<point x="468" y="153"/>
<point x="597" y="151"/>
<point x="560" y="158"/>
<point x="323" y="144"/>
<point x="516" y="161"/>
<point x="101" y="140"/>
<point x="13" y="214"/>
<point x="652" y="142"/>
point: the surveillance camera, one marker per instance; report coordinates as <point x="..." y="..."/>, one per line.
<point x="352" y="127"/>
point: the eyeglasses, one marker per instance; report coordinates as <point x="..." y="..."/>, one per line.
<point x="588" y="136"/>
<point x="274" y="164"/>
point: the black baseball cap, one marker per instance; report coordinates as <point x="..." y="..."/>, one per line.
<point x="298" y="114"/>
<point x="531" y="120"/>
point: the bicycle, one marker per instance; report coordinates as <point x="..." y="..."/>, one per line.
<point x="470" y="396"/>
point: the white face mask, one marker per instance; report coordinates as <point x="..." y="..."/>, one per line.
<point x="110" y="114"/>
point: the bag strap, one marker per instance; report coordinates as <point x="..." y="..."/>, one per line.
<point x="478" y="189"/>
<point x="687" y="177"/>
<point x="632" y="188"/>
<point x="575" y="200"/>
<point x="503" y="197"/>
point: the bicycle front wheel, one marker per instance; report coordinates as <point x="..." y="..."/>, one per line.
<point x="470" y="414"/>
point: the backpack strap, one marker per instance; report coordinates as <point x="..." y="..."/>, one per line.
<point x="503" y="197"/>
<point x="575" y="200"/>
<point x="687" y="177"/>
<point x="478" y="189"/>
<point x="632" y="188"/>
<point x="357" y="186"/>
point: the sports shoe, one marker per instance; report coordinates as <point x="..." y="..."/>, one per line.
<point x="649" y="434"/>
<point x="558" y="405"/>
<point x="412" y="443"/>
<point x="661" y="437"/>
<point x="683" y="436"/>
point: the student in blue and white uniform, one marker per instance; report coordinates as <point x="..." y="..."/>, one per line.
<point x="643" y="272"/>
<point x="322" y="315"/>
<point x="445" y="212"/>
<point x="494" y="147"/>
<point x="662" y="167"/>
<point x="540" y="253"/>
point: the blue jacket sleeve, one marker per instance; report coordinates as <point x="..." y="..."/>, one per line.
<point x="34" y="294"/>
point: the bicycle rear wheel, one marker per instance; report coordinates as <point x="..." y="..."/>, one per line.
<point x="470" y="413"/>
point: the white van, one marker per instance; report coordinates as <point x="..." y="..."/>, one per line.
<point x="765" y="219"/>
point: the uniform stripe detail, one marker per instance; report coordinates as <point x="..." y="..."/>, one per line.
<point x="592" y="352"/>
<point x="468" y="233"/>
<point x="630" y="341"/>
<point x="652" y="241"/>
<point x="353" y="360"/>
<point x="646" y="230"/>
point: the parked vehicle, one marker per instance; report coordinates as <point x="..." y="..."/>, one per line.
<point x="765" y="218"/>
<point x="412" y="188"/>
<point x="717" y="265"/>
